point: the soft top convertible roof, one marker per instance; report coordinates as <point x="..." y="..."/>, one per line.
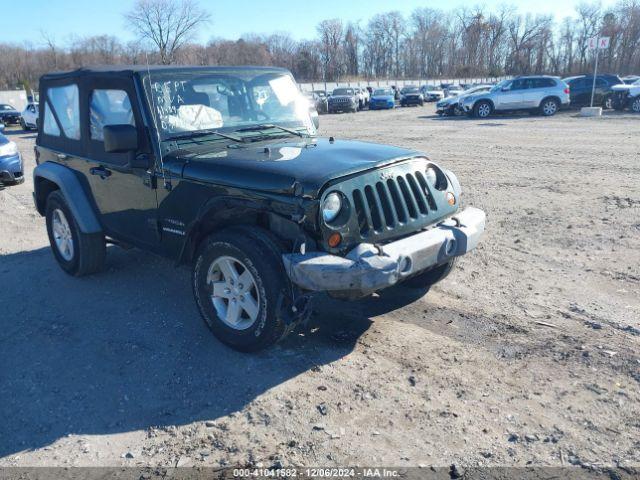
<point x="130" y="70"/>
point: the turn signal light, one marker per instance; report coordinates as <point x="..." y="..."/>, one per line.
<point x="451" y="198"/>
<point x="334" y="240"/>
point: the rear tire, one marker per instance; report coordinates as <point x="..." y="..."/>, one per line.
<point x="76" y="252"/>
<point x="549" y="107"/>
<point x="261" y="304"/>
<point x="430" y="277"/>
<point x="482" y="109"/>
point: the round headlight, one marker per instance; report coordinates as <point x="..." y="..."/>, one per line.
<point x="331" y="207"/>
<point x="432" y="176"/>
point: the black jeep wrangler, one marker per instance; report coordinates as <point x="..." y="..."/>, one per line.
<point x="222" y="168"/>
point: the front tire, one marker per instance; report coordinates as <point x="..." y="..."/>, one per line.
<point x="241" y="288"/>
<point x="76" y="252"/>
<point x="635" y="104"/>
<point x="431" y="277"/>
<point x="549" y="107"/>
<point x="482" y="109"/>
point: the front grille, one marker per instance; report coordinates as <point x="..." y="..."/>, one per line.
<point x="390" y="203"/>
<point x="387" y="203"/>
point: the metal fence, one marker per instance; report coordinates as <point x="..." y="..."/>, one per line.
<point x="329" y="86"/>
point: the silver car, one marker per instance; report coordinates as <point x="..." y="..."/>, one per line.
<point x="542" y="94"/>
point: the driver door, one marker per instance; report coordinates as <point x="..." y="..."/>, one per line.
<point x="125" y="196"/>
<point x="512" y="98"/>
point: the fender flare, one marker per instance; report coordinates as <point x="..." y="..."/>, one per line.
<point x="73" y="192"/>
<point x="221" y="207"/>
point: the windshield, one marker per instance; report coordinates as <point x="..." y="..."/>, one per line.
<point x="191" y="101"/>
<point x="6" y="107"/>
<point x="501" y="85"/>
<point x="383" y="91"/>
<point x="410" y="90"/>
<point x="343" y="91"/>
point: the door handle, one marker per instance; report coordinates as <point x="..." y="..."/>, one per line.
<point x="61" y="156"/>
<point x="100" y="171"/>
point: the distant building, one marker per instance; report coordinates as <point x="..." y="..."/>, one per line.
<point x="15" y="98"/>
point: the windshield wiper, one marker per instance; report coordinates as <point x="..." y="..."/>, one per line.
<point x="203" y="133"/>
<point x="264" y="126"/>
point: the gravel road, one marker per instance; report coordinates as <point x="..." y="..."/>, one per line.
<point x="527" y="354"/>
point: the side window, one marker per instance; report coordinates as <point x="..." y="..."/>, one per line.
<point x="66" y="103"/>
<point x="600" y="82"/>
<point x="50" y="127"/>
<point x="108" y="107"/>
<point x="518" y="85"/>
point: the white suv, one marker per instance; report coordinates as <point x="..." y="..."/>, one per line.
<point x="543" y="94"/>
<point x="29" y="117"/>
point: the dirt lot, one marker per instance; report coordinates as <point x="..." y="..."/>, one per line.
<point x="527" y="354"/>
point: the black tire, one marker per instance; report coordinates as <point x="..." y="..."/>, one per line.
<point x="256" y="250"/>
<point x="430" y="277"/>
<point x="635" y="104"/>
<point x="549" y="107"/>
<point x="607" y="102"/>
<point x="89" y="250"/>
<point x="482" y="109"/>
<point x="24" y="125"/>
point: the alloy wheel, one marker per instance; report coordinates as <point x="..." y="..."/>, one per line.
<point x="234" y="292"/>
<point x="635" y="106"/>
<point x="62" y="234"/>
<point x="484" y="110"/>
<point x="550" y="107"/>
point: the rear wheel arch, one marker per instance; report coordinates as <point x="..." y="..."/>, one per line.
<point x="42" y="188"/>
<point x="52" y="176"/>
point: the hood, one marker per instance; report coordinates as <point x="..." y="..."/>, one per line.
<point x="277" y="166"/>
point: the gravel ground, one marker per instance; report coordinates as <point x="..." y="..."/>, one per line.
<point x="526" y="355"/>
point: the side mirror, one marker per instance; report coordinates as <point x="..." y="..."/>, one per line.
<point x="120" y="138"/>
<point x="315" y="118"/>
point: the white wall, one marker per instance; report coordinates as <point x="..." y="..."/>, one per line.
<point x="400" y="83"/>
<point x="15" y="98"/>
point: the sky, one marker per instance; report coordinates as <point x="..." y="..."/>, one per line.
<point x="63" y="19"/>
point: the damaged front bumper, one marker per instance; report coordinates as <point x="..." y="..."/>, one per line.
<point x="368" y="268"/>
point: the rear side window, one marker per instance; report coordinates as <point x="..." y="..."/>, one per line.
<point x="50" y="127"/>
<point x="65" y="102"/>
<point x="108" y="107"/>
<point x="542" y="83"/>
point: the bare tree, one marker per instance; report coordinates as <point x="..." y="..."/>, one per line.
<point x="169" y="24"/>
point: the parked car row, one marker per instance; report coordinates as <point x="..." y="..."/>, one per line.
<point x="539" y="94"/>
<point x="28" y="119"/>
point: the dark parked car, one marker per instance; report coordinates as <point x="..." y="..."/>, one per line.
<point x="343" y="100"/>
<point x="222" y="168"/>
<point x="322" y="103"/>
<point x="317" y="102"/>
<point x="581" y="86"/>
<point x="9" y="115"/>
<point x="411" y="96"/>
<point x="11" y="169"/>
